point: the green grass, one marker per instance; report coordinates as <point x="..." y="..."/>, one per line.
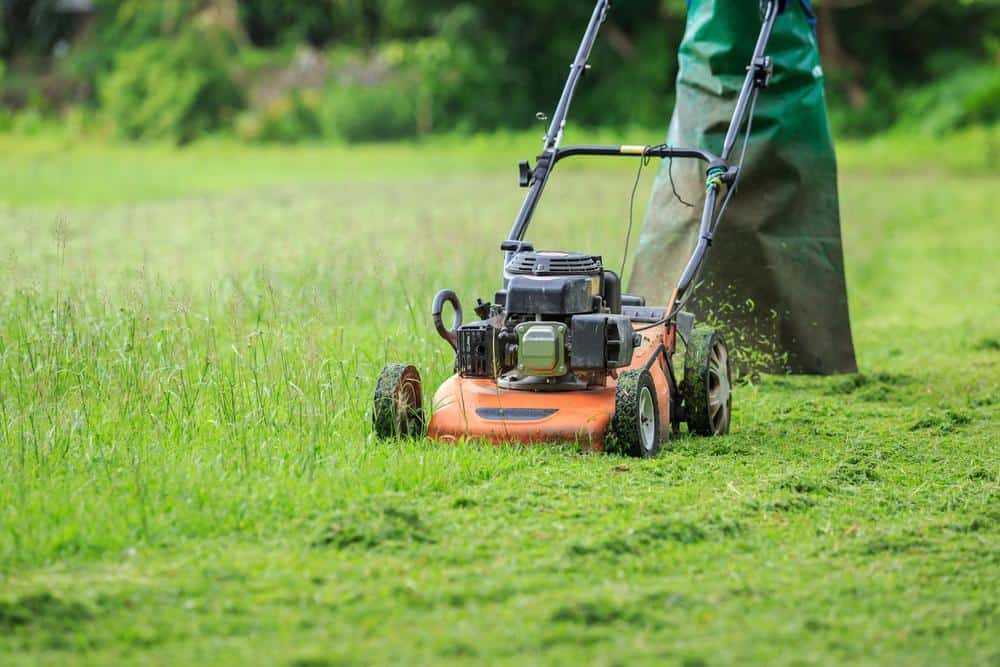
<point x="188" y="345"/>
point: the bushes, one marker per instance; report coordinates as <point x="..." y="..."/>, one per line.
<point x="178" y="69"/>
<point x="352" y="113"/>
<point x="382" y="112"/>
<point x="175" y="89"/>
<point x="969" y="96"/>
<point x="959" y="93"/>
<point x="290" y="119"/>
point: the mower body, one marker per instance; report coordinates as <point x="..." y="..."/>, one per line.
<point x="559" y="355"/>
<point x="479" y="408"/>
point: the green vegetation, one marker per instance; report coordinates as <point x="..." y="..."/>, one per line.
<point x="178" y="89"/>
<point x="368" y="70"/>
<point x="187" y="475"/>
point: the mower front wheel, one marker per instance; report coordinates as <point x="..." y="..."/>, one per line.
<point x="635" y="425"/>
<point x="707" y="385"/>
<point x="399" y="405"/>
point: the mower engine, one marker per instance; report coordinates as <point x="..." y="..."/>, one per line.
<point x="557" y="326"/>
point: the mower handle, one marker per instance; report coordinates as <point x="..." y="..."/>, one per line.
<point x="719" y="171"/>
<point x="554" y="135"/>
<point x="661" y="151"/>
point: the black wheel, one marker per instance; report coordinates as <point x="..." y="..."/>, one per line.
<point x="635" y="425"/>
<point x="707" y="385"/>
<point x="399" y="404"/>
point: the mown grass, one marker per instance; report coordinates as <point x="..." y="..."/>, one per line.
<point x="188" y="343"/>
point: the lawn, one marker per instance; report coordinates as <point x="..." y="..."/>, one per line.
<point x="188" y="347"/>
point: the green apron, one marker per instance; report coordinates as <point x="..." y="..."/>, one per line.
<point x="774" y="278"/>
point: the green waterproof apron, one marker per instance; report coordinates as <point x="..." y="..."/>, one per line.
<point x="774" y="278"/>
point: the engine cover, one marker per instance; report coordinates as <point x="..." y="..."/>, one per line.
<point x="550" y="295"/>
<point x="554" y="264"/>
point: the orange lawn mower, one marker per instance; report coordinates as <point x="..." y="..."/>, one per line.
<point x="560" y="354"/>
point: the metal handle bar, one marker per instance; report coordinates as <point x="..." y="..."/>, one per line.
<point x="757" y="75"/>
<point x="636" y="151"/>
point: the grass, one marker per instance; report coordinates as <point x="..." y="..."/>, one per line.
<point x="189" y="342"/>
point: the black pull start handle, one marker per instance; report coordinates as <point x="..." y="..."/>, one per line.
<point x="441" y="298"/>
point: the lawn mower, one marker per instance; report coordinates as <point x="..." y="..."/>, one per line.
<point x="560" y="353"/>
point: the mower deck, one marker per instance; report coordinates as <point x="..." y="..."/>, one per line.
<point x="478" y="408"/>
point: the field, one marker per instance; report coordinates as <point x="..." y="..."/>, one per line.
<point x="189" y="341"/>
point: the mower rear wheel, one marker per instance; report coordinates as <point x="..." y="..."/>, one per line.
<point x="707" y="385"/>
<point x="399" y="405"/>
<point x="635" y="425"/>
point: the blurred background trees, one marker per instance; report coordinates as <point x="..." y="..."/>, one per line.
<point x="357" y="70"/>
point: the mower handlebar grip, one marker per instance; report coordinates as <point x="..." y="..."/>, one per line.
<point x="441" y="298"/>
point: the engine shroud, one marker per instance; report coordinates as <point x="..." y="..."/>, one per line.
<point x="550" y="263"/>
<point x="552" y="284"/>
<point x="550" y="295"/>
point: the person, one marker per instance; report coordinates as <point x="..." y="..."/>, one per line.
<point x="774" y="280"/>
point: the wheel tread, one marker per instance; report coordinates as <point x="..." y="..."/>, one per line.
<point x="387" y="420"/>
<point x="694" y="387"/>
<point x="624" y="433"/>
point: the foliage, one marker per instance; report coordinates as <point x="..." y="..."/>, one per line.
<point x="874" y="51"/>
<point x="31" y="27"/>
<point x="876" y="114"/>
<point x="372" y="113"/>
<point x="130" y="23"/>
<point x="968" y="96"/>
<point x="176" y="89"/>
<point x="293" y="118"/>
<point x="479" y="66"/>
<point x="187" y="356"/>
<point x="316" y="21"/>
